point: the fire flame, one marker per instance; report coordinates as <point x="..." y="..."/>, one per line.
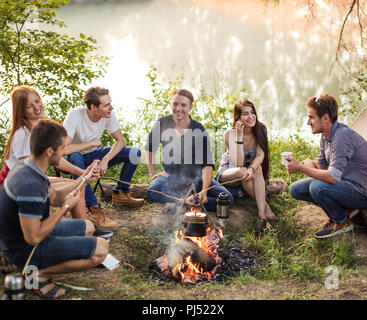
<point x="190" y="271"/>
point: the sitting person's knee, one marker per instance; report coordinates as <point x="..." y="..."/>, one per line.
<point x="293" y="190"/>
<point x="134" y="155"/>
<point x="76" y="158"/>
<point x="317" y="187"/>
<point x="242" y="171"/>
<point x="138" y="152"/>
<point x="101" y="251"/>
<point x="89" y="228"/>
<point x="258" y="172"/>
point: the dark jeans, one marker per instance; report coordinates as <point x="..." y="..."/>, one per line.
<point x="166" y="185"/>
<point x="332" y="198"/>
<point x="130" y="156"/>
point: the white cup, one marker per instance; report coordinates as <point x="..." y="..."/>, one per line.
<point x="285" y="154"/>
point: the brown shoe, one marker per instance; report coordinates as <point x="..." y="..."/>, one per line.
<point x="126" y="199"/>
<point x="332" y="229"/>
<point x="101" y="221"/>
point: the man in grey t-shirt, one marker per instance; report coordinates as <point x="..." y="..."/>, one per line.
<point x="338" y="178"/>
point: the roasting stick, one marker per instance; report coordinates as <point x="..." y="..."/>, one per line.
<point x="223" y="183"/>
<point x="77" y="189"/>
<point x="145" y="188"/>
<point x="166" y="195"/>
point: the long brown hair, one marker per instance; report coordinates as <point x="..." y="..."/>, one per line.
<point x="259" y="130"/>
<point x="19" y="98"/>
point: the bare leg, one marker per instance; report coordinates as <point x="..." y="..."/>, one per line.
<point x="256" y="189"/>
<point x="232" y="174"/>
<point x="89" y="228"/>
<point x="249" y="187"/>
<point x="79" y="211"/>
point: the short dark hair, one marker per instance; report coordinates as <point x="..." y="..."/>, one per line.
<point x="324" y="104"/>
<point x="185" y="93"/>
<point x="91" y="96"/>
<point x="47" y="133"/>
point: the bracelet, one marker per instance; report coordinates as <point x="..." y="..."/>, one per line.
<point x="66" y="207"/>
<point x="239" y="142"/>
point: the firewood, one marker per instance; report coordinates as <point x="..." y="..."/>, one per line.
<point x="177" y="253"/>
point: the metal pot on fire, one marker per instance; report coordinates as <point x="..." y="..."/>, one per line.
<point x="195" y="223"/>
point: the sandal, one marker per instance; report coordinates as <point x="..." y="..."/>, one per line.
<point x="49" y="295"/>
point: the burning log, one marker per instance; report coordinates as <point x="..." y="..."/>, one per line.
<point x="187" y="251"/>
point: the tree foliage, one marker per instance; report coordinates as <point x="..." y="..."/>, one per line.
<point x="32" y="52"/>
<point x="56" y="64"/>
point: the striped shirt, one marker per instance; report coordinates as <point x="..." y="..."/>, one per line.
<point x="24" y="193"/>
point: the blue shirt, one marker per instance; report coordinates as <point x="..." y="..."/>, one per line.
<point x="24" y="193"/>
<point x="344" y="154"/>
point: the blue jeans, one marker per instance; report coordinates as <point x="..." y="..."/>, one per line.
<point x="332" y="198"/>
<point x="166" y="185"/>
<point x="129" y="155"/>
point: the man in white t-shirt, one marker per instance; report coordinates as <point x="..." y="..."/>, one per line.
<point x="85" y="126"/>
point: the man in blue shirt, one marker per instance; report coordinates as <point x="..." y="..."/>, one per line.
<point x="186" y="156"/>
<point x="338" y="178"/>
<point x="60" y="245"/>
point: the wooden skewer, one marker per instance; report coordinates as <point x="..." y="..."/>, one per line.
<point x="145" y="188"/>
<point x="166" y="195"/>
<point x="86" y="177"/>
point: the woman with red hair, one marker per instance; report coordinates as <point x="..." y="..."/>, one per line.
<point x="27" y="110"/>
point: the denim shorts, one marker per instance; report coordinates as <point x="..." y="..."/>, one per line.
<point x="67" y="242"/>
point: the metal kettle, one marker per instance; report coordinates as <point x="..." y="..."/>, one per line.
<point x="223" y="205"/>
<point x="14" y="287"/>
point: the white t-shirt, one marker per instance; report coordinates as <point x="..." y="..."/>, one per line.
<point x="81" y="129"/>
<point x="20" y="146"/>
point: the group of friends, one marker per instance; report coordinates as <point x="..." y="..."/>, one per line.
<point x="337" y="179"/>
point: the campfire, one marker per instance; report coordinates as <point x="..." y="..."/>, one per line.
<point x="193" y="253"/>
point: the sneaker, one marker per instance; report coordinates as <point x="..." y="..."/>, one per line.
<point x="103" y="234"/>
<point x="332" y="229"/>
<point x="98" y="216"/>
<point x="118" y="197"/>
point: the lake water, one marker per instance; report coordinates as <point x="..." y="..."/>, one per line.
<point x="280" y="57"/>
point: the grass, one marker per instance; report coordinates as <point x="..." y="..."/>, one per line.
<point x="288" y="254"/>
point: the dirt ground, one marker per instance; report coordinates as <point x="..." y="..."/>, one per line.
<point x="126" y="281"/>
